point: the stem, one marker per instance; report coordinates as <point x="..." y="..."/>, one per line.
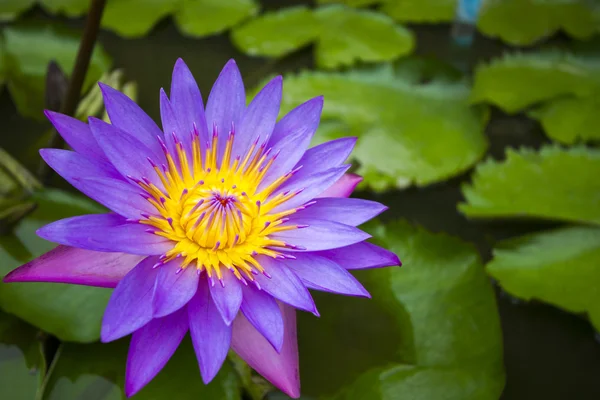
<point x="82" y="62"/>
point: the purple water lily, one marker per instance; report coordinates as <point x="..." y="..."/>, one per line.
<point x="219" y="224"/>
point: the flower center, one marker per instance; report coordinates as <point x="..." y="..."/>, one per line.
<point x="213" y="210"/>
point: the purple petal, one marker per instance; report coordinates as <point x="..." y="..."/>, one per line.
<point x="151" y="348"/>
<point x="227" y="296"/>
<point x="361" y="256"/>
<point x="70" y="164"/>
<point x="130" y="306"/>
<point x="211" y="337"/>
<point x="105" y="232"/>
<point x="174" y="287"/>
<point x="321" y="234"/>
<point x="263" y="313"/>
<point x="76" y="266"/>
<point x="126" y="115"/>
<point x="320" y="273"/>
<point x="325" y="156"/>
<point x="126" y="152"/>
<point x="283" y="284"/>
<point x="170" y="124"/>
<point x="343" y="187"/>
<point x="77" y="134"/>
<point x="309" y="188"/>
<point x="281" y="369"/>
<point x="187" y="104"/>
<point x="343" y="210"/>
<point x="226" y="103"/>
<point x="260" y="117"/>
<point x="291" y="137"/>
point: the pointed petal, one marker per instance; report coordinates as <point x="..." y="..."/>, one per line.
<point x="343" y="187"/>
<point x="227" y="296"/>
<point x="263" y="313"/>
<point x="126" y="115"/>
<point x="130" y="306"/>
<point x="76" y="266"/>
<point x="170" y="123"/>
<point x="174" y="287"/>
<point x="105" y="232"/>
<point x="320" y="273"/>
<point x="347" y="211"/>
<point x="325" y="156"/>
<point x="70" y="164"/>
<point x="281" y="369"/>
<point x="187" y="104"/>
<point x="259" y="119"/>
<point x="211" y="337"/>
<point x="151" y="348"/>
<point x="291" y="137"/>
<point x="77" y="134"/>
<point x="283" y="284"/>
<point x="320" y="234"/>
<point x="226" y="103"/>
<point x="361" y="256"/>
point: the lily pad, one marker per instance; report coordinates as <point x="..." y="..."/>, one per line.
<point x="80" y="370"/>
<point x="117" y="15"/>
<point x="556" y="267"/>
<point x="375" y="349"/>
<point x="409" y="132"/>
<point x="517" y="81"/>
<point x="554" y="183"/>
<point x="70" y="312"/>
<point x="10" y="9"/>
<point x="70" y="8"/>
<point x="422" y="11"/>
<point x="209" y="17"/>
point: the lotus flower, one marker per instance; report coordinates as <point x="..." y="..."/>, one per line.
<point x="219" y="224"/>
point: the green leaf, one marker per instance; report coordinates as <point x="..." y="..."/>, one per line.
<point x="350" y="3"/>
<point x="409" y="132"/>
<point x="21" y="361"/>
<point x="556" y="267"/>
<point x="571" y="119"/>
<point x="517" y="81"/>
<point x="100" y="369"/>
<point x="29" y="49"/>
<point x="441" y="288"/>
<point x="422" y="11"/>
<point x="70" y="8"/>
<point x="69" y="312"/>
<point x="117" y="16"/>
<point x="10" y="9"/>
<point x="553" y="183"/>
<point x="209" y="17"/>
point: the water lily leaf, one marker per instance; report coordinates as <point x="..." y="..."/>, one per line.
<point x="69" y="312"/>
<point x="423" y="11"/>
<point x="209" y="17"/>
<point x="442" y="287"/>
<point x="571" y="119"/>
<point x="21" y="361"/>
<point x="29" y="49"/>
<point x="100" y="369"/>
<point x="117" y="15"/>
<point x="10" y="9"/>
<point x="517" y="81"/>
<point x="70" y="8"/>
<point x="351" y="3"/>
<point x="409" y="132"/>
<point x="553" y="183"/>
<point x="556" y="267"/>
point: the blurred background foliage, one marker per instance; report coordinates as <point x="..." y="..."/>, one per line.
<point x="486" y="154"/>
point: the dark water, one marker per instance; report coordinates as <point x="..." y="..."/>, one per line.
<point x="549" y="354"/>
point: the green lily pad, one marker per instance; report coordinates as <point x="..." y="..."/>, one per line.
<point x="391" y="344"/>
<point x="553" y="183"/>
<point x="117" y="15"/>
<point x="209" y="17"/>
<point x="517" y="81"/>
<point x="70" y="8"/>
<point x="21" y="362"/>
<point x="27" y="52"/>
<point x="70" y="312"/>
<point x="422" y="11"/>
<point x="80" y="370"/>
<point x="571" y="119"/>
<point x="10" y="9"/>
<point x="409" y="132"/>
<point x="351" y="3"/>
<point x="556" y="267"/>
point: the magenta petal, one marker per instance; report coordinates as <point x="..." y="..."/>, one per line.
<point x="227" y="296"/>
<point x="343" y="187"/>
<point x="262" y="311"/>
<point x="320" y="234"/>
<point x="77" y="134"/>
<point x="76" y="266"/>
<point x="341" y="209"/>
<point x="362" y="256"/>
<point x="174" y="288"/>
<point x="281" y="369"/>
<point x="130" y="305"/>
<point x="151" y="348"/>
<point x="211" y="337"/>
